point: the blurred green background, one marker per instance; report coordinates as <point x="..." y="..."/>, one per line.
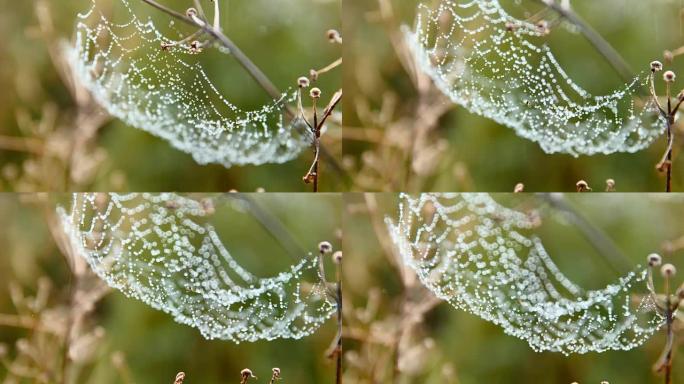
<point x="153" y="345"/>
<point x="475" y="351"/>
<point x="285" y="41"/>
<point x="481" y="155"/>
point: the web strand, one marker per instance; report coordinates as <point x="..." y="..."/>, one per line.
<point x="167" y="93"/>
<point x="161" y="250"/>
<point x="498" y="67"/>
<point x="483" y="258"/>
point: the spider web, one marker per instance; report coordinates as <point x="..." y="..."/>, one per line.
<point x="498" y="67"/>
<point x="481" y="257"/>
<point x="167" y="93"/>
<point x="160" y="250"/>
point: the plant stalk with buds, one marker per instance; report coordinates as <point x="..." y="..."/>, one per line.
<point x="668" y="113"/>
<point x="667" y="305"/>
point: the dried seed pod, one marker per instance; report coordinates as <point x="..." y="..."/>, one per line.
<point x="668" y="270"/>
<point x="582" y="186"/>
<point x="654" y="260"/>
<point x="669" y="76"/>
<point x="191" y="12"/>
<point x="334" y="36"/>
<point x="519" y="188"/>
<point x="303" y="82"/>
<point x="180" y="377"/>
<point x="325" y="247"/>
<point x="656" y="66"/>
<point x="246" y="375"/>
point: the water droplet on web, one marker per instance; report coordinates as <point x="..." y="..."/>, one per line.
<point x="507" y="75"/>
<point x="161" y="250"/>
<point x="186" y="109"/>
<point x="484" y="258"/>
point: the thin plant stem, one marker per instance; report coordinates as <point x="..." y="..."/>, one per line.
<point x="317" y="146"/>
<point x="329" y="67"/>
<point x="668" y="163"/>
<point x="668" y="124"/>
<point x="313" y="173"/>
<point x="670" y="335"/>
<point x="236" y="52"/>
<point x="217" y="15"/>
<point x="338" y="351"/>
<point x="606" y="247"/>
<point x="668" y="113"/>
<point x="21" y="144"/>
<point x="273" y="225"/>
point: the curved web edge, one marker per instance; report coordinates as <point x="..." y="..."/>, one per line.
<point x="592" y="126"/>
<point x="230" y="304"/>
<point x="188" y="112"/>
<point x="519" y="289"/>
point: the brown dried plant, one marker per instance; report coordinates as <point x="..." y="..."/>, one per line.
<point x="667" y="304"/>
<point x="391" y="346"/>
<point x="59" y="148"/>
<point x="405" y="150"/>
<point x="61" y="337"/>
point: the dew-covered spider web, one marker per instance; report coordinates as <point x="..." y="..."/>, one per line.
<point x="167" y="93"/>
<point x="499" y="67"/>
<point x="485" y="259"/>
<point x="162" y="250"/>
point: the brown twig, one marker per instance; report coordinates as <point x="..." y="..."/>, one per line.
<point x="668" y="164"/>
<point x="313" y="174"/>
<point x="670" y="339"/>
<point x="668" y="113"/>
<point x="236" y="52"/>
<point x="666" y="307"/>
<point x="338" y="350"/>
<point x="21" y="144"/>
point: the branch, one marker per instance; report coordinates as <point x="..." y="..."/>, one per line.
<point x="273" y="225"/>
<point x="596" y="237"/>
<point x="600" y="44"/>
<point x="241" y="58"/>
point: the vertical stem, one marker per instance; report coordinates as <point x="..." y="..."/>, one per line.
<point x="338" y="372"/>
<point x="315" y="183"/>
<point x="670" y="335"/>
<point x="670" y="121"/>
<point x="217" y="15"/>
<point x="317" y="145"/>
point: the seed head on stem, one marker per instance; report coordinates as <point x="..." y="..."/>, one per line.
<point x="582" y="186"/>
<point x="324" y="247"/>
<point x="246" y="374"/>
<point x="275" y="376"/>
